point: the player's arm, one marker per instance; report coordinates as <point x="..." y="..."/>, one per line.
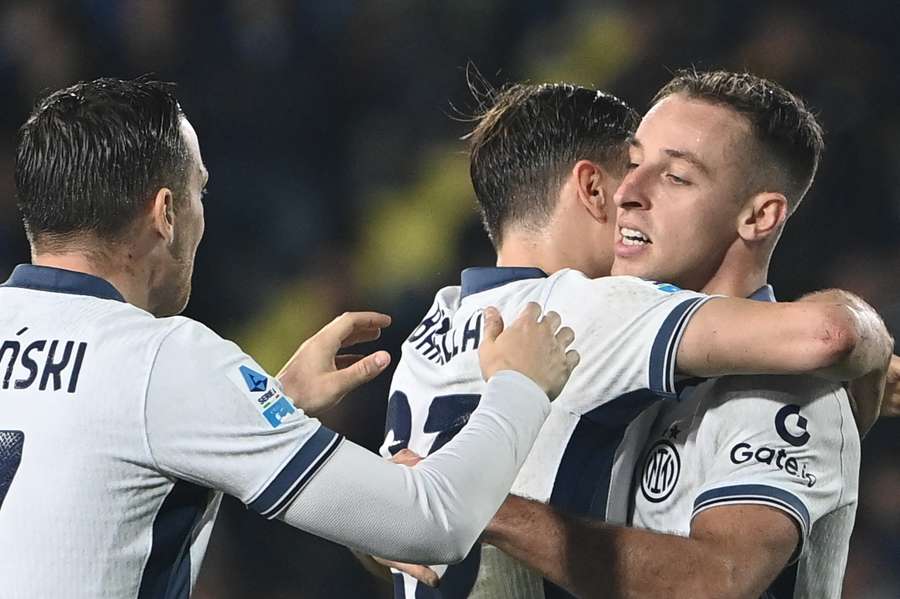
<point x="213" y="417"/>
<point x="435" y="512"/>
<point x="749" y="517"/>
<point x="832" y="334"/>
<point x="733" y="551"/>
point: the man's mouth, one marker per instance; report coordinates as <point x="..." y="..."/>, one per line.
<point x="633" y="236"/>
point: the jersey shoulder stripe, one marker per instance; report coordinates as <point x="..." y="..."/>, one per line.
<point x="291" y="479"/>
<point x="664" y="348"/>
<point x="762" y="495"/>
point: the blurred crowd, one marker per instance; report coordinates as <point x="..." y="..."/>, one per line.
<point x="338" y="180"/>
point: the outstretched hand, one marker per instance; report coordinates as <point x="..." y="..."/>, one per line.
<point x="317" y="378"/>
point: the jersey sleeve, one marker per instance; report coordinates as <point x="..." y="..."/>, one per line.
<point x="435" y="512"/>
<point x="785" y="442"/>
<point x="214" y="417"/>
<point x="627" y="331"/>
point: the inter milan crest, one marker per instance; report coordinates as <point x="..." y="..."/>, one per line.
<point x="661" y="471"/>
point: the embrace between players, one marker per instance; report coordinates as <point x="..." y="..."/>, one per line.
<point x="741" y="485"/>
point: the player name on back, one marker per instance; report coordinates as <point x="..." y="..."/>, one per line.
<point x="437" y="342"/>
<point x="48" y="364"/>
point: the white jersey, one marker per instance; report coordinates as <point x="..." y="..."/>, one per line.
<point x="118" y="431"/>
<point x="627" y="332"/>
<point x="112" y="438"/>
<point x="786" y="442"/>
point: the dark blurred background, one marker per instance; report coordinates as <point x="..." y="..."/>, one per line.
<point x="331" y="131"/>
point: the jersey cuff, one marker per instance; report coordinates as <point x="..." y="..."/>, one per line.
<point x="665" y="346"/>
<point x="759" y="495"/>
<point x="296" y="473"/>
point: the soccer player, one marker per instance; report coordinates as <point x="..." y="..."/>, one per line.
<point x="755" y="476"/>
<point x="546" y="163"/>
<point x="120" y="426"/>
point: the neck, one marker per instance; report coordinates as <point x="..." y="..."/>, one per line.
<point x="128" y="280"/>
<point x="739" y="275"/>
<point x="548" y="251"/>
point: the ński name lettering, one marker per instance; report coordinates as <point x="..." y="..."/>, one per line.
<point x="51" y="364"/>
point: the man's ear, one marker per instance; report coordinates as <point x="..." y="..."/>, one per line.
<point x="589" y="178"/>
<point x="762" y="216"/>
<point x="162" y="214"/>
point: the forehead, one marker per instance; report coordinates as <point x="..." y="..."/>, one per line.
<point x="711" y="131"/>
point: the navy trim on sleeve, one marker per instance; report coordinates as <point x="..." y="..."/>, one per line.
<point x="758" y="494"/>
<point x="665" y="346"/>
<point x="296" y="473"/>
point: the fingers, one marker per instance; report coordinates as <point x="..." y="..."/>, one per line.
<point x="406" y="457"/>
<point x="552" y="320"/>
<point x="493" y="324"/>
<point x="890" y="405"/>
<point x="354" y="327"/>
<point x="361" y="335"/>
<point x="347" y="360"/>
<point x="565" y="336"/>
<point x="421" y="573"/>
<point x="572" y="359"/>
<point x="357" y="373"/>
<point x="531" y="312"/>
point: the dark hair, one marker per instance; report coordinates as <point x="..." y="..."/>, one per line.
<point x="528" y="139"/>
<point x="787" y="133"/>
<point x="90" y="155"/>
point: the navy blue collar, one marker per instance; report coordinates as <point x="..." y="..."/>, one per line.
<point x="763" y="294"/>
<point x="46" y="278"/>
<point x="482" y="278"/>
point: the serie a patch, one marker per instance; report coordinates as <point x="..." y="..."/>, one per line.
<point x="265" y="393"/>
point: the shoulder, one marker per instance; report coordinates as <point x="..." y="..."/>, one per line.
<point x="774" y="391"/>
<point x="618" y="301"/>
<point x="186" y="342"/>
<point x="794" y="411"/>
<point x="622" y="287"/>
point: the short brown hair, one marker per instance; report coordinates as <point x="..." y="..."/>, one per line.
<point x="528" y="138"/>
<point x="787" y="133"/>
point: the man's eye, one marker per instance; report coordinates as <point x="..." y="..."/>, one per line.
<point x="677" y="180"/>
<point x="631" y="166"/>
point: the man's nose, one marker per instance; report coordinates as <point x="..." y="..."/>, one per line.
<point x="632" y="193"/>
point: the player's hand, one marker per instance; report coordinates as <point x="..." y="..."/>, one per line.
<point x="423" y="574"/>
<point x="890" y="405"/>
<point x="316" y="377"/>
<point x="532" y="345"/>
<point x="875" y="394"/>
<point x="406" y="457"/>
